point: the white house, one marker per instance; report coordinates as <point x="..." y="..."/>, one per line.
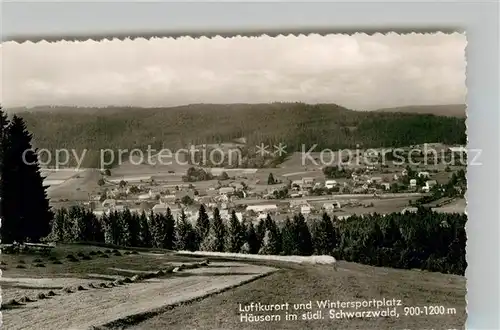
<point x="423" y="174"/>
<point x="262" y="216"/>
<point x="305" y="209"/>
<point x="329" y="184"/>
<point x="386" y="185"/>
<point x="404" y="172"/>
<point x="413" y="183"/>
<point x="262" y="208"/>
<point x="145" y="196"/>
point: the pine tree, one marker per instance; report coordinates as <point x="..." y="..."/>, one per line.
<point x="169" y="230"/>
<point x="260" y="231"/>
<point x="252" y="244"/>
<point x="303" y="236"/>
<point x="158" y="230"/>
<point x="202" y="225"/>
<point x="25" y="207"/>
<point x="77" y="219"/>
<point x="125" y="219"/>
<point x="271" y="225"/>
<point x="235" y="234"/>
<point x="289" y="238"/>
<point x="215" y="239"/>
<point x="324" y="236"/>
<point x="271" y="243"/>
<point x="144" y="232"/>
<point x="58" y="233"/>
<point x="185" y="234"/>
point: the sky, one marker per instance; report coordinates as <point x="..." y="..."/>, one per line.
<point x="359" y="72"/>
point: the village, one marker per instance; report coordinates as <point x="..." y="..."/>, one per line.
<point x="280" y="192"/>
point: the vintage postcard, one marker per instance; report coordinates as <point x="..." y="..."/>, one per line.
<point x="290" y="182"/>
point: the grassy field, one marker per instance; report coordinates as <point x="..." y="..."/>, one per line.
<point x="208" y="297"/>
<point x="301" y="284"/>
<point x="96" y="290"/>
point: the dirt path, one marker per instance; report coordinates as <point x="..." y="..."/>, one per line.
<point x="83" y="309"/>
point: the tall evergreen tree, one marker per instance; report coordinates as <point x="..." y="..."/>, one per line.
<point x="271" y="225"/>
<point x="324" y="236"/>
<point x="303" y="236"/>
<point x="158" y="230"/>
<point x="235" y="234"/>
<point x="252" y="243"/>
<point x="185" y="234"/>
<point x="25" y="207"/>
<point x="169" y="239"/>
<point x="260" y="230"/>
<point x="215" y="240"/>
<point x="145" y="233"/>
<point x="289" y="238"/>
<point x="271" y="243"/>
<point x="202" y="225"/>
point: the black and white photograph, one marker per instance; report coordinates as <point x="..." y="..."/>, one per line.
<point x="234" y="183"/>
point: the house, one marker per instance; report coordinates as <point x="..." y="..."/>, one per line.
<point x="168" y="198"/>
<point x="305" y="209"/>
<point x="409" y="209"/>
<point x="298" y="203"/>
<point x="430" y="183"/>
<point x="146" y="196"/>
<point x="413" y="183"/>
<point x="296" y="184"/>
<point x="404" y="172"/>
<point x="162" y="208"/>
<point x="395" y="177"/>
<point x="262" y="208"/>
<point x="262" y="216"/>
<point x="226" y="190"/>
<point x="386" y="185"/>
<point x="423" y="174"/>
<point x="329" y="184"/>
<point x="331" y="206"/>
<point x="307" y="183"/>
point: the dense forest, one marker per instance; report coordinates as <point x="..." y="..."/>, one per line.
<point x="294" y="124"/>
<point x="423" y="240"/>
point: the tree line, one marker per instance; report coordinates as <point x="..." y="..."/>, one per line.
<point x="293" y="124"/>
<point x="424" y="240"/>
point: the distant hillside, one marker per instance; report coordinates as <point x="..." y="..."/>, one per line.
<point x="449" y="110"/>
<point x="294" y="124"/>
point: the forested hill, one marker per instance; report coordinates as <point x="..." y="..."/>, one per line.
<point x="294" y="124"/>
<point x="449" y="110"/>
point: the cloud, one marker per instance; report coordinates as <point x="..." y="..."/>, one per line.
<point x="359" y="71"/>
